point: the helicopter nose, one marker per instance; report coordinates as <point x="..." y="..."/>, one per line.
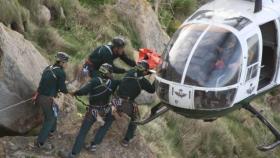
<point x="188" y="98"/>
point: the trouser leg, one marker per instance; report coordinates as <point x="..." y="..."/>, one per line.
<point x="103" y="130"/>
<point x="130" y="132"/>
<point x="86" y="125"/>
<point x="49" y="118"/>
<point x="54" y="127"/>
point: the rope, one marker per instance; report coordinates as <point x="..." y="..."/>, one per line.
<point x="7" y="107"/>
<point x="81" y="101"/>
<point x="14" y="105"/>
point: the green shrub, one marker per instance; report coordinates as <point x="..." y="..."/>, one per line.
<point x="96" y="3"/>
<point x="32" y="6"/>
<point x="14" y="15"/>
<point x="49" y="39"/>
<point x="173" y="12"/>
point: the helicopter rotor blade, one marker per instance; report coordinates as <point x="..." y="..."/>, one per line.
<point x="156" y="111"/>
<point x="272" y="129"/>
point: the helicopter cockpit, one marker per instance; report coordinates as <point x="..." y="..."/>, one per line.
<point x="201" y="68"/>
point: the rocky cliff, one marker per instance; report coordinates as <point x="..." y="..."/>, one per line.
<point x="20" y="69"/>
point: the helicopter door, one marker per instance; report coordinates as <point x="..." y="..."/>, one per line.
<point x="252" y="49"/>
<point x="181" y="96"/>
<point x="269" y="54"/>
<point x="278" y="50"/>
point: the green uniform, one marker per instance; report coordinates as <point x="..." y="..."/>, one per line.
<point x="52" y="82"/>
<point x="133" y="83"/>
<point x="129" y="88"/>
<point x="99" y="91"/>
<point x="104" y="54"/>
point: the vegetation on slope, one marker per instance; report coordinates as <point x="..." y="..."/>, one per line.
<point x="77" y="26"/>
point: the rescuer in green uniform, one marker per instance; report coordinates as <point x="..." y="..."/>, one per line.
<point x="52" y="82"/>
<point x="99" y="90"/>
<point x="129" y="88"/>
<point x="107" y="54"/>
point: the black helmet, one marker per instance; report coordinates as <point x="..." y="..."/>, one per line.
<point x="118" y="42"/>
<point x="142" y="65"/>
<point x="61" y="56"/>
<point x="106" y="68"/>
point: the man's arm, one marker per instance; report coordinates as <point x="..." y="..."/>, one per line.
<point x="127" y="60"/>
<point x="108" y="58"/>
<point x="61" y="82"/>
<point x="86" y="89"/>
<point x="118" y="70"/>
<point x="147" y="86"/>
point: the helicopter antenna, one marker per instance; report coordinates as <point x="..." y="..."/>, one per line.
<point x="258" y="6"/>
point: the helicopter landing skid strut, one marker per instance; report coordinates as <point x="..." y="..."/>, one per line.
<point x="156" y="111"/>
<point x="273" y="130"/>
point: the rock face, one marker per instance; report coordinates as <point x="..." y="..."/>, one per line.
<point x="20" y="72"/>
<point x="44" y="15"/>
<point x="68" y="127"/>
<point x="146" y="24"/>
<point x="145" y="21"/>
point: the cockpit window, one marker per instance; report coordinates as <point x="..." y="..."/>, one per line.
<point x="216" y="61"/>
<point x="178" y="50"/>
<point x="236" y="21"/>
<point x="202" y="14"/>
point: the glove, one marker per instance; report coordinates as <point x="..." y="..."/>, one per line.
<point x="34" y="97"/>
<point x="116" y="102"/>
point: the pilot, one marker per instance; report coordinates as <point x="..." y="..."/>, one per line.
<point x="226" y="64"/>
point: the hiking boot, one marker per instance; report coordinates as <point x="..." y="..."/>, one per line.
<point x="46" y="146"/>
<point x="91" y="147"/>
<point x="124" y="143"/>
<point x="51" y="135"/>
<point x="37" y="144"/>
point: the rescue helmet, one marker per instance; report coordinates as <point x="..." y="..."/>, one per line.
<point x="106" y="68"/>
<point x="142" y="65"/>
<point x="118" y="42"/>
<point x="62" y="56"/>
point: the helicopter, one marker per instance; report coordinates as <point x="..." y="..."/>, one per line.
<point x="223" y="56"/>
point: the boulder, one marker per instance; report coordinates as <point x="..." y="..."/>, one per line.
<point x="44" y="15"/>
<point x="145" y="22"/>
<point x="20" y="70"/>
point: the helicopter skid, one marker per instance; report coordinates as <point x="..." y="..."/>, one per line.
<point x="156" y="111"/>
<point x="269" y="147"/>
<point x="273" y="130"/>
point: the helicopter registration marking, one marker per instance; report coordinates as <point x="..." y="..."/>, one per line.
<point x="181" y="96"/>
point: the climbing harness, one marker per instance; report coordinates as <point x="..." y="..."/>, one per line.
<point x="55" y="109"/>
<point x="51" y="68"/>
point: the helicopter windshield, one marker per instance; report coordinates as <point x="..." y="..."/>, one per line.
<point x="178" y="51"/>
<point x="215" y="62"/>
